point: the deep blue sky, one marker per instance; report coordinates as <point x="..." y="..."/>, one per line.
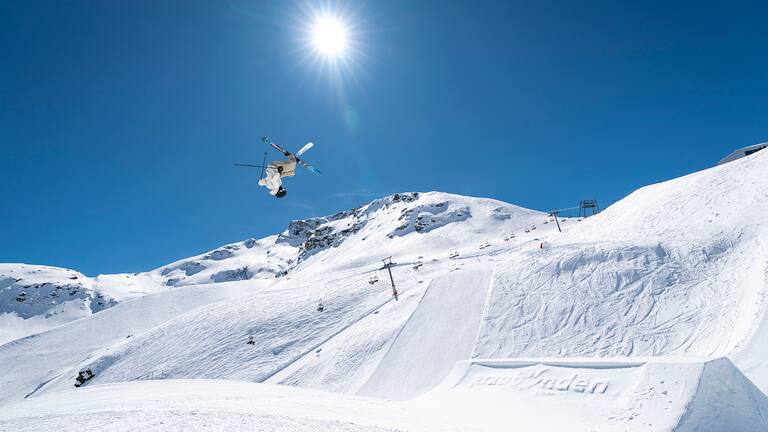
<point x="120" y="120"/>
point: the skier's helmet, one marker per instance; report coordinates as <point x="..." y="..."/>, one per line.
<point x="281" y="192"/>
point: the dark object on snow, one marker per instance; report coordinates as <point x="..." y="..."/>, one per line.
<point x="251" y="341"/>
<point x="320" y="306"/>
<point x="83" y="376"/>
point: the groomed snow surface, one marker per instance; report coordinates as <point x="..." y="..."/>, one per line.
<point x="649" y="316"/>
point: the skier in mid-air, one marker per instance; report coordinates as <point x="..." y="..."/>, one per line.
<point x="281" y="168"/>
<point x="275" y="173"/>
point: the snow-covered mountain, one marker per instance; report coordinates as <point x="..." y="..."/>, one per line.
<point x="383" y="225"/>
<point x="36" y="298"/>
<point x="622" y="315"/>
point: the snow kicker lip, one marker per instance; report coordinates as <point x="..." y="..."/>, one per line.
<point x="654" y="394"/>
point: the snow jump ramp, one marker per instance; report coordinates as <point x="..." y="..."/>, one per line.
<point x="441" y="331"/>
<point x="602" y="395"/>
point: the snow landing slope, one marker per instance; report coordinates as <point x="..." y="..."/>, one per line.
<point x="677" y="268"/>
<point x="676" y="271"/>
<point x="614" y="395"/>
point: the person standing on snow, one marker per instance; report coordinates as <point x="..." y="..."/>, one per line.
<point x="275" y="173"/>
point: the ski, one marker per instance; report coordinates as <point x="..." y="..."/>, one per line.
<point x="287" y="153"/>
<point x="306" y="147"/>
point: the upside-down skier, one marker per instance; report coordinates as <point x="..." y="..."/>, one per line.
<point x="275" y="173"/>
<point x="278" y="169"/>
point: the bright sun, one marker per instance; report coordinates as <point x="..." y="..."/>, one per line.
<point x="329" y="36"/>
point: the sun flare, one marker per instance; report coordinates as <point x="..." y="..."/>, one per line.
<point x="329" y="36"/>
<point x="332" y="42"/>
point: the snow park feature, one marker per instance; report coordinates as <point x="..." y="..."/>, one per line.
<point x="647" y="316"/>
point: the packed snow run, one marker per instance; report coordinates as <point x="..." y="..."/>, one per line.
<point x="649" y="316"/>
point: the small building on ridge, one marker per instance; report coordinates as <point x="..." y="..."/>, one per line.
<point x="740" y="153"/>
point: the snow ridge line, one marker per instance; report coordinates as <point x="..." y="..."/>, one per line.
<point x="323" y="341"/>
<point x="762" y="300"/>
<point x="486" y="307"/>
<point x="686" y="412"/>
<point x="41" y="385"/>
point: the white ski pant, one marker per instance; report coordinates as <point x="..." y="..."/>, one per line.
<point x="272" y="181"/>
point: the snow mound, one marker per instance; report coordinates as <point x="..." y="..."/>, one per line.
<point x="724" y="400"/>
<point x="612" y="395"/>
<point x="618" y="394"/>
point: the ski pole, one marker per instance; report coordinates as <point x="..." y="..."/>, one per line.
<point x="250" y="166"/>
<point x="263" y="164"/>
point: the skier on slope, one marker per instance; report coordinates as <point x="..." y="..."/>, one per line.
<point x="274" y="174"/>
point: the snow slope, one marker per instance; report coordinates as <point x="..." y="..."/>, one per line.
<point x="608" y="394"/>
<point x="612" y="395"/>
<point x="677" y="268"/>
<point x="676" y="271"/>
<point x="37" y="298"/>
<point x="456" y="298"/>
<point x="280" y="313"/>
<point x="200" y="405"/>
<point x="53" y="358"/>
